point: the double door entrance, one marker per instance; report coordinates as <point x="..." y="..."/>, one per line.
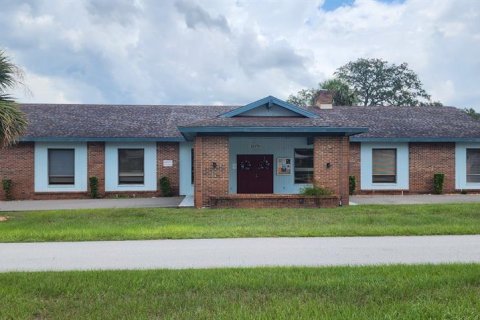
<point x="255" y="173"/>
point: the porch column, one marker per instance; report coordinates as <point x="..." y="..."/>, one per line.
<point x="330" y="161"/>
<point x="211" y="155"/>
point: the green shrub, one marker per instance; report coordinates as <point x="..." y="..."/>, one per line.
<point x="7" y="186"/>
<point x="438" y="179"/>
<point x="352" y="184"/>
<point x="166" y="187"/>
<point x="94" y="187"/>
<point x="315" y="191"/>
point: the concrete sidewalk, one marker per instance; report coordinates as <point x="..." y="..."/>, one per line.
<point x="33" y="205"/>
<point x="416" y="199"/>
<point x="247" y="252"/>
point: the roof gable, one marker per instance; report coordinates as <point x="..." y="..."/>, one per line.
<point x="269" y="107"/>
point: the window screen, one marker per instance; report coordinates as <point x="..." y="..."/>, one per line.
<point x="303" y="165"/>
<point x="131" y="166"/>
<point x="61" y="166"/>
<point x="384" y="162"/>
<point x="473" y="165"/>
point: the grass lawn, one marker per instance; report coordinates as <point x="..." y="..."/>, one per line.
<point x="154" y="223"/>
<point x="387" y="292"/>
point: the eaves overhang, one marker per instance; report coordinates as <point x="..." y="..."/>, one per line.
<point x="101" y="139"/>
<point x="414" y="139"/>
<point x="190" y="132"/>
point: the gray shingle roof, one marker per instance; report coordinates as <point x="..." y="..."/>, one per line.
<point x="161" y="121"/>
<point x="113" y="121"/>
<point x="405" y="122"/>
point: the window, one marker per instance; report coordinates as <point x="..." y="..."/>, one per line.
<point x="473" y="165"/>
<point x="193" y="165"/>
<point x="61" y="166"/>
<point x="303" y="165"/>
<point x="131" y="166"/>
<point x="384" y="162"/>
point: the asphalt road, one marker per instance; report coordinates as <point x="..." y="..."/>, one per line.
<point x="247" y="252"/>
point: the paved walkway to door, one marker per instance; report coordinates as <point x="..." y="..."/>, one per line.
<point x="247" y="252"/>
<point x="415" y="199"/>
<point x="31" y="205"/>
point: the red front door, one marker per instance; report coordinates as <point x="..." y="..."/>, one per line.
<point x="254" y="173"/>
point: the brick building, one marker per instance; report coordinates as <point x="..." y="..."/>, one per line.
<point x="260" y="154"/>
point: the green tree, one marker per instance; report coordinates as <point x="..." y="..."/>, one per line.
<point x="304" y="97"/>
<point x="342" y="95"/>
<point x="431" y="104"/>
<point x="377" y="82"/>
<point x="472" y="113"/>
<point x="12" y="120"/>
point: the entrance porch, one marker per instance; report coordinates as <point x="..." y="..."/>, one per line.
<point x="259" y="171"/>
<point x="263" y="154"/>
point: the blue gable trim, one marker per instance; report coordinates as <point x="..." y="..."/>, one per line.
<point x="269" y="101"/>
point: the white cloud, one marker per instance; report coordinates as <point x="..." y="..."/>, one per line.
<point x="221" y="51"/>
<point x="42" y="89"/>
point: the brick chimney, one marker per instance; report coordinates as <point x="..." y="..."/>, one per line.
<point x="324" y="99"/>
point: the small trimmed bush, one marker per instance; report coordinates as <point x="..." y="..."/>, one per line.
<point x="93" y="187"/>
<point x="352" y="185"/>
<point x="438" y="179"/>
<point x="315" y="191"/>
<point x="165" y="187"/>
<point x="7" y="186"/>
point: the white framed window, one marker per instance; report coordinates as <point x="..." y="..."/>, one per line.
<point x="384" y="165"/>
<point x="60" y="167"/>
<point x="467" y="166"/>
<point x="131" y="166"/>
<point x="473" y="165"/>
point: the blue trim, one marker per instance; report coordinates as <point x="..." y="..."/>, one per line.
<point x="190" y="132"/>
<point x="269" y="101"/>
<point x="310" y="129"/>
<point x="99" y="139"/>
<point x="414" y="139"/>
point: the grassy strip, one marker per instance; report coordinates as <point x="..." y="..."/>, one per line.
<point x="387" y="292"/>
<point x="118" y="224"/>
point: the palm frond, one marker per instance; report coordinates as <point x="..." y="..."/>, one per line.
<point x="10" y="74"/>
<point x="13" y="123"/>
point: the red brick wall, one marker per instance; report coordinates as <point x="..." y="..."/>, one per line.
<point x="333" y="150"/>
<point x="273" y="201"/>
<point x="426" y="159"/>
<point x="96" y="164"/>
<point x="354" y="165"/>
<point x="169" y="151"/>
<point x="210" y="181"/>
<point x="16" y="163"/>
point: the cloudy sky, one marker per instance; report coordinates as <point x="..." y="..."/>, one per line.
<point x="232" y="52"/>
